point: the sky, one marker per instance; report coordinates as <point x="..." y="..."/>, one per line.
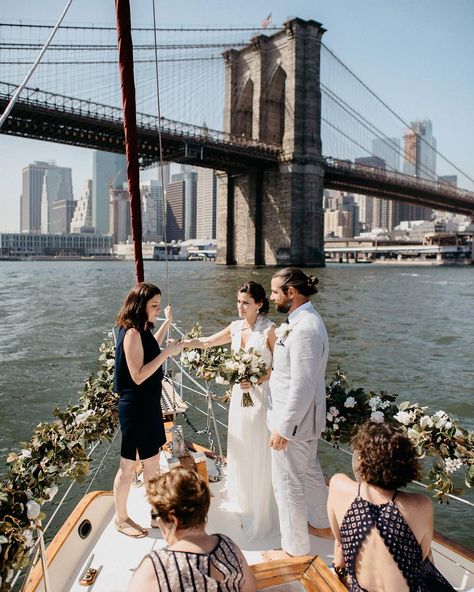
<point x="417" y="55"/>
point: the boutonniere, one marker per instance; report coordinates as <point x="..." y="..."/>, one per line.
<point x="282" y="332"/>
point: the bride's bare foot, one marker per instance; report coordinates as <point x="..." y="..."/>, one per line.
<point x="275" y="555"/>
<point x="322" y="533"/>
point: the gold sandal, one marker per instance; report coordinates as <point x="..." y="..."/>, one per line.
<point x="129" y="528"/>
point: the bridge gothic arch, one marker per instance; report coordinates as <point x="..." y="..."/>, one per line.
<point x="273" y="109"/>
<point x="242" y="122"/>
<point x="274" y="215"/>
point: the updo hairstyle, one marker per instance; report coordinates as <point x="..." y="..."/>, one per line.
<point x="292" y="277"/>
<point x="257" y="292"/>
<point x="133" y="310"/>
<point x="385" y="455"/>
<point x="183" y="493"/>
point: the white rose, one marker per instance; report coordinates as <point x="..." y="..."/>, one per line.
<point x="242" y="368"/>
<point x="426" y="422"/>
<point x="328" y="416"/>
<point x="51" y="492"/>
<point x="374" y="402"/>
<point x="246" y="358"/>
<point x="235" y="366"/>
<point x="253" y="379"/>
<point x="220" y="379"/>
<point x="349" y="402"/>
<point x="28" y="536"/>
<point x="32" y="509"/>
<point x="333" y="411"/>
<point x="229" y="365"/>
<point x="26" y="453"/>
<point x="377" y="417"/>
<point x="403" y="417"/>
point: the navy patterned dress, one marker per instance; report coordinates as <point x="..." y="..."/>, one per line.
<point x="140" y="416"/>
<point x="361" y="517"/>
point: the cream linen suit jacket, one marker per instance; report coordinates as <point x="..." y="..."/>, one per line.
<point x="297" y="404"/>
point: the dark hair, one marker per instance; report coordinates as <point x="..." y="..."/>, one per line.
<point x="133" y="311"/>
<point x="386" y="456"/>
<point x="183" y="493"/>
<point x="297" y="279"/>
<point x="257" y="292"/>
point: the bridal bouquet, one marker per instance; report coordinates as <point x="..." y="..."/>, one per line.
<point x="246" y="366"/>
<point x="205" y="363"/>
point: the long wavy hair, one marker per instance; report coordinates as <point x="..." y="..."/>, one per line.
<point x="133" y="310"/>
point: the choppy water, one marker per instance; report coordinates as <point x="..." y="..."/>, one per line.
<point x="407" y="330"/>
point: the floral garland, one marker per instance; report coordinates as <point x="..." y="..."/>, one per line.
<point x="437" y="435"/>
<point x="205" y="363"/>
<point x="57" y="450"/>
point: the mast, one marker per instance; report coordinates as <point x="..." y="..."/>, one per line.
<point x="125" y="47"/>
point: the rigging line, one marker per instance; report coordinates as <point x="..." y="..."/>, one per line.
<point x="177" y="29"/>
<point x="394" y="113"/>
<point x="101" y="461"/>
<point x="89" y="62"/>
<point x="161" y="171"/>
<point x="15" y="97"/>
<point x="12" y="46"/>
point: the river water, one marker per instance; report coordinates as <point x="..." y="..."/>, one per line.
<point x="406" y="330"/>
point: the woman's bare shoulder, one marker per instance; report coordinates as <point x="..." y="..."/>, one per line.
<point x="342" y="482"/>
<point x="417" y="502"/>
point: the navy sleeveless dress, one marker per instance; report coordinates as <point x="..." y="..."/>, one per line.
<point x="140" y="416"/>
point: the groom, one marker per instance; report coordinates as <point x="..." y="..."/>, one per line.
<point x="297" y="413"/>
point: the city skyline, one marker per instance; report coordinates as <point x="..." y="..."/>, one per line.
<point x="386" y="51"/>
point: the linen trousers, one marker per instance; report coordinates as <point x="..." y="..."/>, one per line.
<point x="301" y="494"/>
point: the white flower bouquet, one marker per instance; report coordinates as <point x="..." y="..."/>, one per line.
<point x="244" y="366"/>
<point x="205" y="363"/>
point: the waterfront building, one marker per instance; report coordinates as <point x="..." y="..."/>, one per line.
<point x="82" y="217"/>
<point x="119" y="214"/>
<point x="30" y="201"/>
<point x="57" y="187"/>
<point x="22" y="245"/>
<point x="368" y="204"/>
<point x="151" y="194"/>
<point x="108" y="171"/>
<point x="206" y="204"/>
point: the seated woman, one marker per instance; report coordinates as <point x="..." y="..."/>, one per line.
<point x="193" y="559"/>
<point x="383" y="536"/>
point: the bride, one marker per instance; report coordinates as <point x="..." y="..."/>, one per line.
<point x="249" y="480"/>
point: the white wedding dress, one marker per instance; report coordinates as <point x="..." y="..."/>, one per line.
<point x="249" y="480"/>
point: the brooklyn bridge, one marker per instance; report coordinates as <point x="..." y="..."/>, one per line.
<point x="284" y="130"/>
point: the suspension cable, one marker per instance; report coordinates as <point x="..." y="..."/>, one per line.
<point x="18" y="91"/>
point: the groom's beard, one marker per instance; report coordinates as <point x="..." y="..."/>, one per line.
<point x="283" y="307"/>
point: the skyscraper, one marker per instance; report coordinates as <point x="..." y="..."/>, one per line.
<point x="57" y="186"/>
<point x="152" y="210"/>
<point x="206" y="204"/>
<point x="30" y="202"/>
<point x="420" y="150"/>
<point x="386" y="211"/>
<point x="108" y="171"/>
<point x="175" y="210"/>
<point x="119" y="215"/>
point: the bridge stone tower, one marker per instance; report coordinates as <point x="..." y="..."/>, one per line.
<point x="275" y="216"/>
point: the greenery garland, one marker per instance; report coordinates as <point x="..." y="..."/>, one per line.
<point x="59" y="449"/>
